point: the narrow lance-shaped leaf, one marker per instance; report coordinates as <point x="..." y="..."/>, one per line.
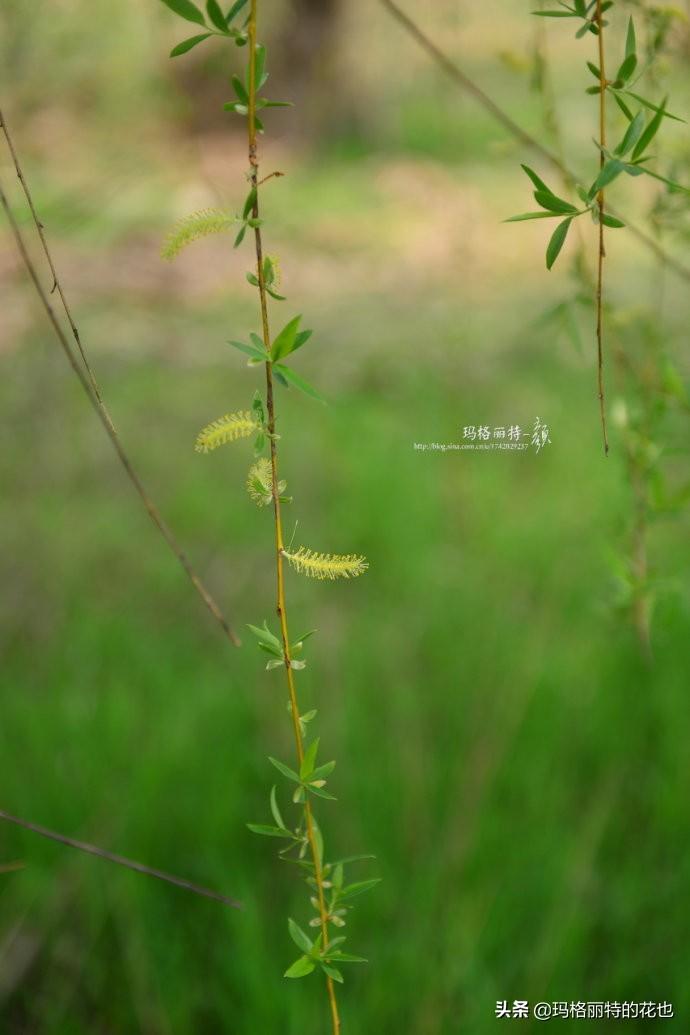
<point x="285" y="770"/>
<point x="186" y="9"/>
<point x="557" y="241"/>
<point x="630" y="42"/>
<point x="288" y="374"/>
<point x="610" y="170"/>
<point x="187" y="44"/>
<point x="531" y="215"/>
<point x="632" y="134"/>
<point x="300" y="968"/>
<point x="309" y="759"/>
<point x="301" y="940"/>
<point x="216" y="16"/>
<point x="235" y="10"/>
<point x="626" y="69"/>
<point x="650" y="132"/>
<point x="553" y="203"/>
<point x="284" y="341"/>
<point x="538" y="183"/>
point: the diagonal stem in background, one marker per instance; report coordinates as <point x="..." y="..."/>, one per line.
<point x="119" y="860"/>
<point x="90" y="385"/>
<point x="455" y="73"/>
<point x="281" y="608"/>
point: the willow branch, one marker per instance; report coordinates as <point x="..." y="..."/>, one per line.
<point x="281" y="606"/>
<point x="455" y="73"/>
<point x="89" y="384"/>
<point x="120" y="860"/>
<point x="602" y="249"/>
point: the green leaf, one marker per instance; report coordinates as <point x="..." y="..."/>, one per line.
<point x="632" y="134"/>
<point x="352" y="890"/>
<point x="333" y="973"/>
<point x="663" y="179"/>
<point x="554" y="14"/>
<point x="553" y="203"/>
<point x="266" y="637"/>
<point x="216" y="16"/>
<point x="235" y="10"/>
<point x="249" y="203"/>
<point x="538" y="183"/>
<point x="239" y="89"/>
<point x="274" y="294"/>
<point x="284" y="342"/>
<point x="301" y="339"/>
<point x="187" y="44"/>
<point x="650" y="132"/>
<point x="531" y="215"/>
<point x="297" y="647"/>
<point x="268" y="831"/>
<point x="611" y="221"/>
<point x="594" y="70"/>
<point x="250" y="350"/>
<point x="608" y="173"/>
<point x="653" y="107"/>
<point x="268" y="270"/>
<point x="240" y="236"/>
<point x="260" y="75"/>
<point x="630" y="42"/>
<point x="288" y="374"/>
<point x="275" y="811"/>
<point x="322" y="771"/>
<point x="309" y="759"/>
<point x="285" y="770"/>
<point x="186" y="9"/>
<point x="301" y="940"/>
<point x="627" y="68"/>
<point x="320" y="793"/>
<point x="258" y="342"/>
<point x="300" y="968"/>
<point x="557" y="241"/>
<point x="345" y="957"/>
<point x="623" y="106"/>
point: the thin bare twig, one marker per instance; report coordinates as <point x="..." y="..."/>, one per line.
<point x="455" y="73"/>
<point x="90" y="386"/>
<point x="120" y="860"/>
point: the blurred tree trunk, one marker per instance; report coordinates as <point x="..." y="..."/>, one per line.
<point x="310" y="64"/>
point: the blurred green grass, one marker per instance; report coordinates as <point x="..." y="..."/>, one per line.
<point x="516" y="767"/>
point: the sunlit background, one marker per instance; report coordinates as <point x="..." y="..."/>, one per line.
<point x="508" y="748"/>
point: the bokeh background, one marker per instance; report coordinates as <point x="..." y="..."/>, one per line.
<point x="505" y="749"/>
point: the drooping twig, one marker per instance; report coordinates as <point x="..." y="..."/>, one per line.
<point x="602" y="249"/>
<point x="90" y="386"/>
<point x="279" y="544"/>
<point x="455" y="73"/>
<point x="120" y="860"/>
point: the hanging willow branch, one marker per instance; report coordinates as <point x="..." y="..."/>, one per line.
<point x="88" y="381"/>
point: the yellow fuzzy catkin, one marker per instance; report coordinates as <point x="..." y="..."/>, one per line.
<point x="226" y="429"/>
<point x="198" y="224"/>
<point x="326" y="565"/>
<point x="259" y="482"/>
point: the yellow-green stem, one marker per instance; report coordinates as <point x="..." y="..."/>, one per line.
<point x="281" y="608"/>
<point x="602" y="250"/>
